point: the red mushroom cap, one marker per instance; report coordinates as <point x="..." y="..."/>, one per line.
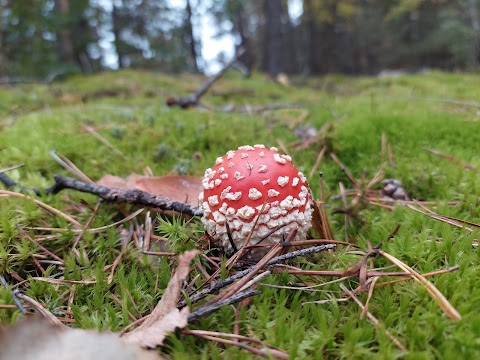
<point x="237" y="187"/>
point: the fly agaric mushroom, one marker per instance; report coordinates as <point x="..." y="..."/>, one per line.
<point x="245" y="182"/>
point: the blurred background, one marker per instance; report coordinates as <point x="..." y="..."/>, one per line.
<point x="42" y="39"/>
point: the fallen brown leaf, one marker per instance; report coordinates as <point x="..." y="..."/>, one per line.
<point x="37" y="339"/>
<point x="184" y="189"/>
<point x="165" y="318"/>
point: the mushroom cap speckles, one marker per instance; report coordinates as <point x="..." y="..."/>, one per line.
<point x="254" y="194"/>
<point x="282" y="180"/>
<point x="252" y="182"/>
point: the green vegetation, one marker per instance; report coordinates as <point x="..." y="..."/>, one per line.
<point x="127" y="108"/>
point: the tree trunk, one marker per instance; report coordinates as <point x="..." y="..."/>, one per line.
<point x="475" y="21"/>
<point x="313" y="63"/>
<point x="116" y="29"/>
<point x="246" y="61"/>
<point x="65" y="43"/>
<point x="273" y="22"/>
<point x="190" y="37"/>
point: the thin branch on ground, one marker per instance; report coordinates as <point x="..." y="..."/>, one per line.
<point x="203" y="311"/>
<point x="114" y="195"/>
<point x="194" y="99"/>
<point x="208" y="309"/>
<point x="234" y="288"/>
<point x="13" y="185"/>
<point x="117" y="195"/>
<point x="276" y="260"/>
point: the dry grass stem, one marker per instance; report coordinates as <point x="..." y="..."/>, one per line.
<point x="114" y="266"/>
<point x="104" y="141"/>
<point x="452" y="159"/>
<point x="326" y="301"/>
<point x="158" y="253"/>
<point x="369" y="297"/>
<point x="255" y="280"/>
<point x="40" y="308"/>
<point x="433" y="273"/>
<point x="70" y="167"/>
<point x="447" y="219"/>
<point x="216" y="336"/>
<point x="445" y="305"/>
<point x="42" y="205"/>
<point x="119" y="303"/>
<point x="391" y="162"/>
<point x="344" y="169"/>
<point x="383" y="147"/>
<point x="148" y="231"/>
<point x="63" y="282"/>
<point x="43" y="248"/>
<point x="345" y="204"/>
<point x="373" y="319"/>
<point x="11" y="168"/>
<point x="318" y="161"/>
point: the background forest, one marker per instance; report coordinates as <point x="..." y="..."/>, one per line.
<point x="46" y="38"/>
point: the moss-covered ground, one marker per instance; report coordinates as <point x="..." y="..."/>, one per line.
<point x="127" y="108"/>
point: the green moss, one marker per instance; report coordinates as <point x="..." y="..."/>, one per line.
<point x="127" y="109"/>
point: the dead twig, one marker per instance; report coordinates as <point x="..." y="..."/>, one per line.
<point x="117" y="195"/>
<point x="193" y="99"/>
<point x="208" y="309"/>
<point x="12" y="185"/>
<point x="234" y="288"/>
<point x="276" y="260"/>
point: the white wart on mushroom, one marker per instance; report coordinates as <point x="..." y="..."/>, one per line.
<point x="236" y="189"/>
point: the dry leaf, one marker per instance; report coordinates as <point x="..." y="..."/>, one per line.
<point x="165" y="318"/>
<point x="184" y="189"/>
<point x="320" y="222"/>
<point x="36" y="339"/>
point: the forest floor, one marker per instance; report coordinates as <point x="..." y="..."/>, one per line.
<point x="366" y="122"/>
